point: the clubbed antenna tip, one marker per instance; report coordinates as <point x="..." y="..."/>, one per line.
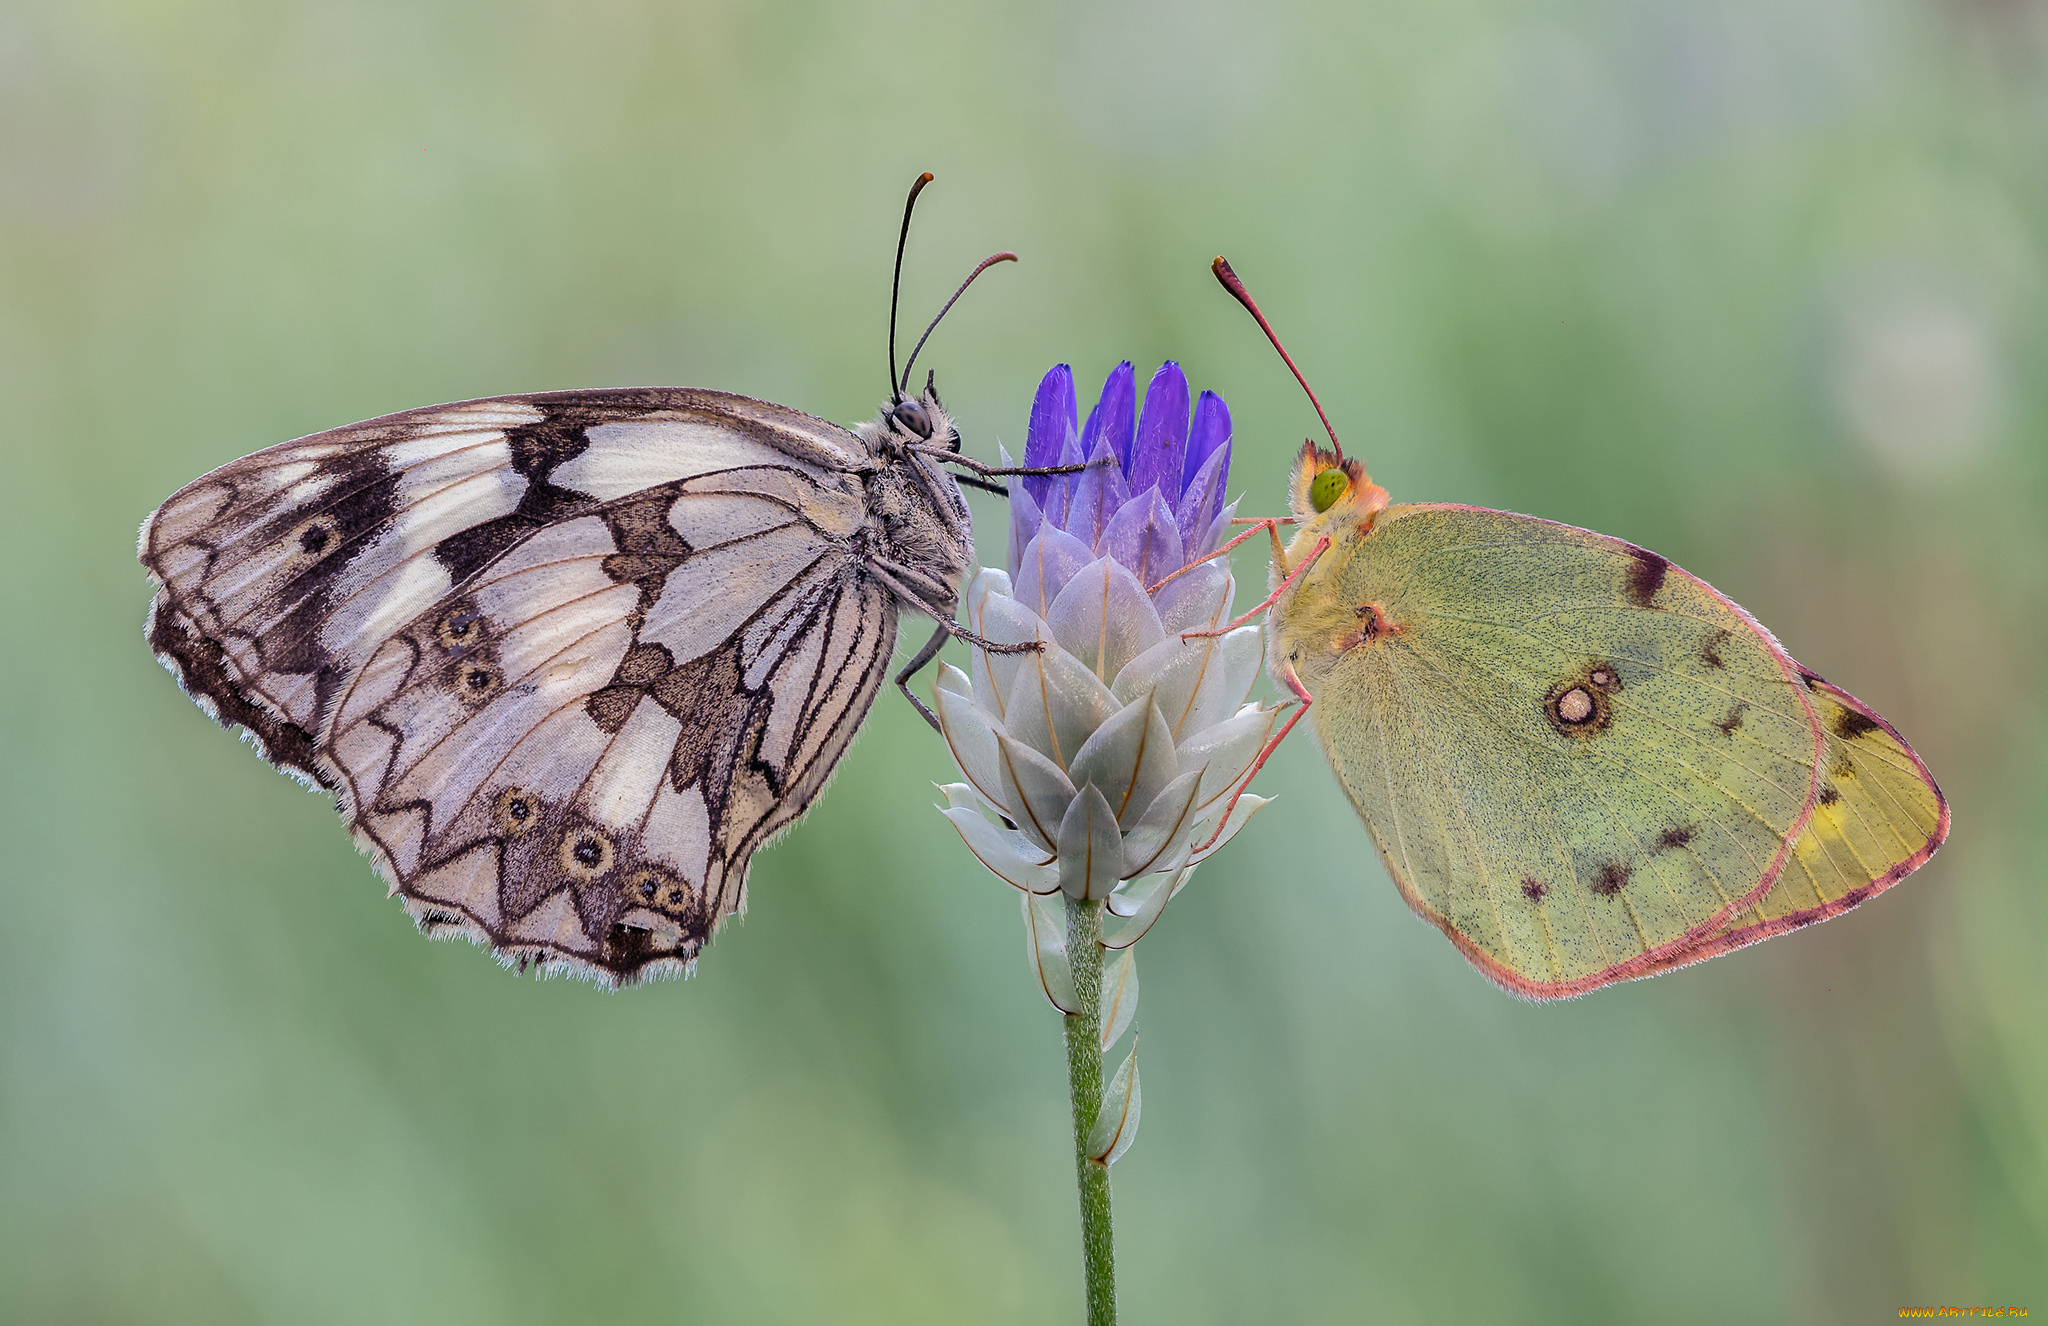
<point x="1230" y="282"/>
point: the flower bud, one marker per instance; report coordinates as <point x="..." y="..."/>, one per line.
<point x="1100" y="763"/>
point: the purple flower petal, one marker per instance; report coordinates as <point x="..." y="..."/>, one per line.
<point x="1202" y="501"/>
<point x="1153" y="497"/>
<point x="1099" y="492"/>
<point x="1058" y="502"/>
<point x="1025" y="517"/>
<point x="1212" y="431"/>
<point x="1219" y="529"/>
<point x="1143" y="538"/>
<point x="1052" y="427"/>
<point x="1115" y="416"/>
<point x="1156" y="456"/>
<point x="1071" y="452"/>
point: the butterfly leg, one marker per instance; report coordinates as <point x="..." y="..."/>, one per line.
<point x="987" y="471"/>
<point x="885" y="572"/>
<point x="1266" y="751"/>
<point x="1322" y="546"/>
<point x="916" y="665"/>
<point x="948" y="628"/>
<point x="1270" y="524"/>
<point x="894" y="576"/>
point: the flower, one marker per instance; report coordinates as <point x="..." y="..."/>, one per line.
<point x="1161" y="504"/>
<point x="1099" y="764"/>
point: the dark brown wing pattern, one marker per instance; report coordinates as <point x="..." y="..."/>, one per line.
<point x="566" y="661"/>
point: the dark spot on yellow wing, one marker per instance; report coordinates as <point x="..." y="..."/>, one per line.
<point x="1710" y="652"/>
<point x="1610" y="878"/>
<point x="1579" y="706"/>
<point x="1673" y="837"/>
<point x="1843" y="765"/>
<point x="1851" y="723"/>
<point x="1645" y="575"/>
<point x="1372" y="625"/>
<point x="1829" y="794"/>
<point x="1533" y="888"/>
<point x="1733" y="722"/>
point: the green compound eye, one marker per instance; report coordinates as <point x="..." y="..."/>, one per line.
<point x="1326" y="488"/>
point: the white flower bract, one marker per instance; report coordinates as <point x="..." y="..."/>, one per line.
<point x="1099" y="763"/>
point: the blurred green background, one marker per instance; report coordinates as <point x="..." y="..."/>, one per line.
<point x="1757" y="283"/>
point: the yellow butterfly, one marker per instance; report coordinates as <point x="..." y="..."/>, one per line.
<point x="1581" y="763"/>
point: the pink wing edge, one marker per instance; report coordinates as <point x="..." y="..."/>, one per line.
<point x="1716" y="945"/>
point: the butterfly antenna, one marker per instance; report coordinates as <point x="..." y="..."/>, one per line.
<point x="1243" y="296"/>
<point x="896" y="282"/>
<point x="985" y="264"/>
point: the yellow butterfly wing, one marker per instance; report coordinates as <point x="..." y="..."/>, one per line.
<point x="1877" y="818"/>
<point x="1580" y="762"/>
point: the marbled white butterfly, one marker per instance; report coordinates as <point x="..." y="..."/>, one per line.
<point x="567" y="660"/>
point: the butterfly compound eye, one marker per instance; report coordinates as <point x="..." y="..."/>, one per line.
<point x="912" y="416"/>
<point x="1326" y="488"/>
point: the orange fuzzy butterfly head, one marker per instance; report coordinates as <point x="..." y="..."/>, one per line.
<point x="1327" y="485"/>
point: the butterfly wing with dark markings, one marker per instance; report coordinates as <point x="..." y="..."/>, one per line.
<point x="1877" y="819"/>
<point x="1581" y="763"/>
<point x="566" y="660"/>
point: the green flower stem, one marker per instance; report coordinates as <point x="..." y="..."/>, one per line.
<point x="1084" y="1080"/>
